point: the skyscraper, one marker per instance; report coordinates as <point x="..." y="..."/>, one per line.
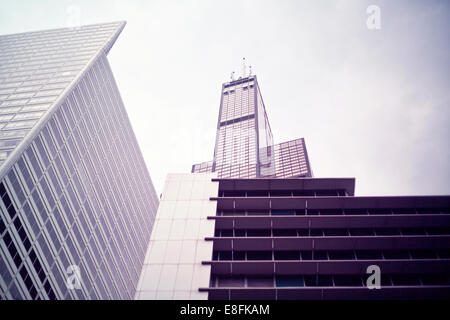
<point x="77" y="202"/>
<point x="254" y="224"/>
<point x="244" y="142"/>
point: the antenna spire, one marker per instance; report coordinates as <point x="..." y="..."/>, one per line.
<point x="243" y="68"/>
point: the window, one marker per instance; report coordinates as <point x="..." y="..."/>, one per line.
<point x="280" y="193"/>
<point x="226" y="232"/>
<point x="355" y="211"/>
<point x="259" y="255"/>
<point x="231" y="281"/>
<point x="257" y="213"/>
<point x="320" y="255"/>
<point x="238" y="255"/>
<point x="368" y="254"/>
<point x="306" y="255"/>
<point x="347" y="280"/>
<point x="257" y="193"/>
<point x="423" y="254"/>
<point x="283" y="212"/>
<point x="396" y="254"/>
<point x="341" y="255"/>
<point x="284" y="232"/>
<point x="287" y="255"/>
<point x="335" y="232"/>
<point x="413" y="231"/>
<point x="361" y="232"/>
<point x="434" y="279"/>
<point x="225" y="255"/>
<point x="289" y="281"/>
<point x="8" y="143"/>
<point x="405" y="280"/>
<point x="258" y="233"/>
<point x="259" y="282"/>
<point x="387" y="232"/>
<point x="327" y="212"/>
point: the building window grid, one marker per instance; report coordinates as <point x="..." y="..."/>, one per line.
<point x="330" y="232"/>
<point x="336" y="211"/>
<point x="20" y="246"/>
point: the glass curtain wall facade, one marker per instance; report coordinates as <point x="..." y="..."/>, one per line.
<point x="74" y="187"/>
<point x="244" y="142"/>
<point x="236" y="150"/>
<point x="291" y="159"/>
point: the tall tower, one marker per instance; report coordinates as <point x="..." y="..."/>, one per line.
<point x="76" y="197"/>
<point x="244" y="145"/>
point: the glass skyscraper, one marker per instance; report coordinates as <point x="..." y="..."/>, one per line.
<point x="75" y="192"/>
<point x="244" y="142"/>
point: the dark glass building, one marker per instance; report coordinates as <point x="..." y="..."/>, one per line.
<point x="311" y="238"/>
<point x="254" y="224"/>
<point x="75" y="192"/>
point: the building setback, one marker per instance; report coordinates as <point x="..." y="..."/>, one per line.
<point x="254" y="224"/>
<point x="75" y="191"/>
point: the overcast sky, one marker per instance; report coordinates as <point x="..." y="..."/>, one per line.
<point x="371" y="104"/>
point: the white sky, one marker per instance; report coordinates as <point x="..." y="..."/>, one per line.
<point x="371" y="104"/>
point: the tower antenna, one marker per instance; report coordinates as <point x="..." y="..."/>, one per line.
<point x="243" y="68"/>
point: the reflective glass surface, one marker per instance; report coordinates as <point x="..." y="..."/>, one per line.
<point x="79" y="194"/>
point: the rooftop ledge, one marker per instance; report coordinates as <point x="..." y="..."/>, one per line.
<point x="347" y="184"/>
